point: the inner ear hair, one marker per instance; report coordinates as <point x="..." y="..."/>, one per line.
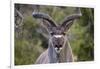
<point x="70" y="18"/>
<point x="44" y="16"/>
<point x="69" y="25"/>
<point x="68" y="21"/>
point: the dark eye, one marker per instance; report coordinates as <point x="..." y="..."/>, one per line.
<point x="60" y="45"/>
<point x="52" y="33"/>
<point x="64" y="33"/>
<point x="56" y="46"/>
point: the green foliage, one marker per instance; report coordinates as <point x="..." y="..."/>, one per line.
<point x="83" y="42"/>
<point x="32" y="43"/>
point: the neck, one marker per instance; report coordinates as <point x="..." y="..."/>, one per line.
<point x="52" y="54"/>
<point x="56" y="57"/>
<point x="65" y="54"/>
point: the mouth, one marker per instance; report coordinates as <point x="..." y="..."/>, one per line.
<point x="58" y="49"/>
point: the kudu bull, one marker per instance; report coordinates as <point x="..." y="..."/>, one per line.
<point x="59" y="49"/>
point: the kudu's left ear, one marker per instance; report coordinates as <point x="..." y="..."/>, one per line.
<point x="47" y="21"/>
<point x="44" y="16"/>
<point x="68" y="21"/>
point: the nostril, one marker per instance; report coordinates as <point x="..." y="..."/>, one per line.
<point x="60" y="45"/>
<point x="56" y="46"/>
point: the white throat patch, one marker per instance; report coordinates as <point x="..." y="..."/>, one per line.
<point x="58" y="36"/>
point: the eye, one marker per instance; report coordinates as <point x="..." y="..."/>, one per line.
<point x="60" y="45"/>
<point x="56" y="46"/>
<point x="52" y="33"/>
<point x="64" y="33"/>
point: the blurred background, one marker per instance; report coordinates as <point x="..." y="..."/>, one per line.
<point x="31" y="39"/>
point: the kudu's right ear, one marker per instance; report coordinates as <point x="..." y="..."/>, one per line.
<point x="68" y="21"/>
<point x="47" y="20"/>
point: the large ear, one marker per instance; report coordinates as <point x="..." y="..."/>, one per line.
<point x="47" y="20"/>
<point x="68" y="21"/>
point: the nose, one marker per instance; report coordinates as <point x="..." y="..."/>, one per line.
<point x="58" y="46"/>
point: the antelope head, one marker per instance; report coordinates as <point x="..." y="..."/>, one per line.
<point x="57" y="32"/>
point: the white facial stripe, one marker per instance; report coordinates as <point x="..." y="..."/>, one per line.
<point x="58" y="51"/>
<point x="58" y="36"/>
